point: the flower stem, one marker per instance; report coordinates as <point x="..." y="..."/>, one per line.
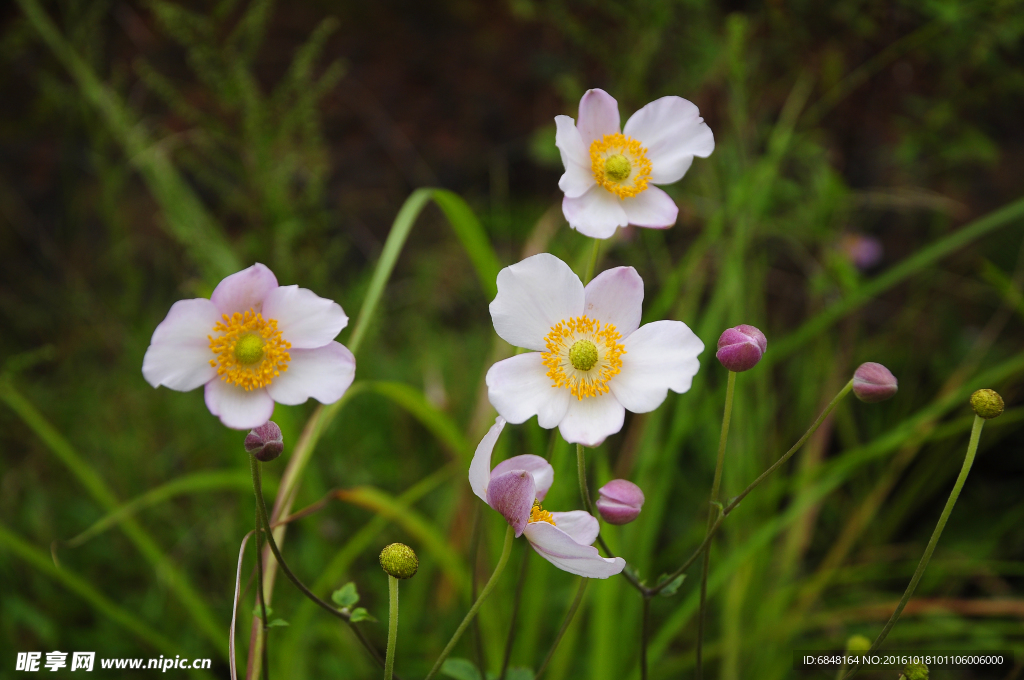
<point x="565" y="626"/>
<point x="389" y="660"/>
<point x="262" y="638"/>
<point x="715" y="485"/>
<point x="743" y="494"/>
<point x="645" y="634"/>
<point x="488" y="587"/>
<point x="515" y="614"/>
<point x="592" y="262"/>
<point x="972" y="449"/>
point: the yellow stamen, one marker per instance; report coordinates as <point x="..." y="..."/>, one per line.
<point x="583" y="356"/>
<point x="620" y="164"/>
<point x="250" y="351"/>
<point x="539" y="514"/>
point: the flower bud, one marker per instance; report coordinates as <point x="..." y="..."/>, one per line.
<point x="915" y="670"/>
<point x="399" y="560"/>
<point x="740" y="348"/>
<point x="619" y="501"/>
<point x="873" y="382"/>
<point x="987" y="404"/>
<point x="858" y="643"/>
<point x="265" y="442"/>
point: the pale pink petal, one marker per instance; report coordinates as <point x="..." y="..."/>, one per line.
<point x="581" y="526"/>
<point x="512" y="495"/>
<point x="244" y="290"/>
<point x="615" y="296"/>
<point x="651" y="208"/>
<point x="673" y="132"/>
<point x="480" y="468"/>
<point x="534" y="295"/>
<point x="558" y="548"/>
<point x="659" y="356"/>
<point x="599" y="116"/>
<point x="543" y="473"/>
<point x="179" y="354"/>
<point x="238" y="409"/>
<point x="305" y="319"/>
<point x="578" y="175"/>
<point x="323" y="373"/>
<point x="597" y="213"/>
<point x="519" y="388"/>
<point x="590" y="420"/>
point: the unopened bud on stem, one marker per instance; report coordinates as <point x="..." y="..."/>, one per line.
<point x="740" y="348"/>
<point x="265" y="442"/>
<point x="399" y="560"/>
<point x="874" y="382"/>
<point x="987" y="404"/>
<point x="619" y="501"/>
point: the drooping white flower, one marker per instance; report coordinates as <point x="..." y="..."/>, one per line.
<point x="251" y="344"/>
<point x="593" y="361"/>
<point x="516" y="487"/>
<point x="610" y="174"/>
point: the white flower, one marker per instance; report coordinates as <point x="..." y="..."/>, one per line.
<point x="515" y="488"/>
<point x="610" y="175"/>
<point x="252" y="343"/>
<point x="592" y="362"/>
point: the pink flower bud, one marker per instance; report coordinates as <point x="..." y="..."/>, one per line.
<point x="619" y="501"/>
<point x="740" y="348"/>
<point x="265" y="442"/>
<point x="873" y="382"/>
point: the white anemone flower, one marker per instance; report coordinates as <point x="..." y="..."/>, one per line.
<point x="516" y="487"/>
<point x="251" y="344"/>
<point x="610" y="174"/>
<point x="593" y="360"/>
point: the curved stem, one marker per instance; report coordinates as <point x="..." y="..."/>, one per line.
<point x="715" y="485"/>
<point x="565" y="626"/>
<point x="972" y="449"/>
<point x="515" y="614"/>
<point x="505" y="551"/>
<point x="389" y="659"/>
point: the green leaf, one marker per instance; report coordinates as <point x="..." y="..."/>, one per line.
<point x="276" y="623"/>
<point x="673" y="586"/>
<point x="258" y="611"/>
<point x="460" y="669"/>
<point x="346" y="596"/>
<point x="360" y="614"/>
<point x="519" y="674"/>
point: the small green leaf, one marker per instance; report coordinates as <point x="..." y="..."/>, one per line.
<point x="360" y="614"/>
<point x="277" y="623"/>
<point x="673" y="586"/>
<point x="460" y="669"/>
<point x="346" y="596"/>
<point x="258" y="611"/>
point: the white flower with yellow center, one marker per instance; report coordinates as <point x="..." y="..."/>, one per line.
<point x="610" y="174"/>
<point x="593" y="360"/>
<point x="252" y="343"/>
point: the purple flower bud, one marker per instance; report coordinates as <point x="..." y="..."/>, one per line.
<point x="265" y="442"/>
<point x="873" y="382"/>
<point x="740" y="348"/>
<point x="620" y="501"/>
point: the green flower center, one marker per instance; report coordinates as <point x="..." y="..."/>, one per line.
<point x="249" y="348"/>
<point x="617" y="167"/>
<point x="583" y="355"/>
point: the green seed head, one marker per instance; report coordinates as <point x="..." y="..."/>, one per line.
<point x="399" y="560"/>
<point x="617" y="167"/>
<point x="858" y="643"/>
<point x="915" y="671"/>
<point x="583" y="355"/>
<point x="249" y="348"/>
<point x="987" y="404"/>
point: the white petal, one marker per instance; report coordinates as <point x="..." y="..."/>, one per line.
<point x="651" y="208"/>
<point x="578" y="175"/>
<point x="599" y="116"/>
<point x="480" y="467"/>
<point x="305" y="319"/>
<point x="244" y="290"/>
<point x="534" y="295"/>
<point x="519" y="388"/>
<point x="581" y="526"/>
<point x="590" y="420"/>
<point x="597" y="213"/>
<point x="543" y="473"/>
<point x="615" y="296"/>
<point x="673" y="133"/>
<point x="659" y="356"/>
<point x="179" y="354"/>
<point x="238" y="409"/>
<point x="323" y="373"/>
<point x="558" y="548"/>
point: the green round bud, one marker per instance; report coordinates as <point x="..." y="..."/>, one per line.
<point x="399" y="560"/>
<point x="858" y="643"/>
<point x="915" y="671"/>
<point x="987" y="404"/>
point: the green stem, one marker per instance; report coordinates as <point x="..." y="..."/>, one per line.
<point x="972" y="449"/>
<point x="712" y="515"/>
<point x="645" y="635"/>
<point x="389" y="660"/>
<point x="488" y="587"/>
<point x="736" y="501"/>
<point x="592" y="262"/>
<point x="515" y="614"/>
<point x="254" y="466"/>
<point x="565" y="626"/>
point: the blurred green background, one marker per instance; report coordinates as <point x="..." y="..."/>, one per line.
<point x="147" y="149"/>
